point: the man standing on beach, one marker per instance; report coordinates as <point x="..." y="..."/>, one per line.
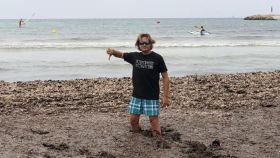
<point x="147" y="66"/>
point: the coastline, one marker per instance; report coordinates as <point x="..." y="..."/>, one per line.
<point x="87" y="117"/>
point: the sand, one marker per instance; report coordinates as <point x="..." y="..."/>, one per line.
<point x="217" y="115"/>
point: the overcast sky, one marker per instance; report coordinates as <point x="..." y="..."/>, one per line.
<point x="56" y="9"/>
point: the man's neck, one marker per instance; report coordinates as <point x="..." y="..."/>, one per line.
<point x="146" y="52"/>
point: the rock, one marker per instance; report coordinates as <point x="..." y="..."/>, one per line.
<point x="216" y="143"/>
<point x="263" y="17"/>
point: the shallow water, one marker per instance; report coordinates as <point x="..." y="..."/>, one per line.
<point x="77" y="49"/>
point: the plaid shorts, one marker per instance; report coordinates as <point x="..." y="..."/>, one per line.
<point x="143" y="106"/>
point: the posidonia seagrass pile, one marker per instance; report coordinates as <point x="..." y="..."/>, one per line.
<point x="215" y="91"/>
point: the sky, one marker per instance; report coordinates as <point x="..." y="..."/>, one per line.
<point x="84" y="9"/>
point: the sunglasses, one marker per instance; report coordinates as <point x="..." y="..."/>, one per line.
<point x="144" y="43"/>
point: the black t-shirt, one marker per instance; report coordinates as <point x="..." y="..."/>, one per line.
<point x="146" y="74"/>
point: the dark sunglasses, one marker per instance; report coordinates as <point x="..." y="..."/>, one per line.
<point x="144" y="43"/>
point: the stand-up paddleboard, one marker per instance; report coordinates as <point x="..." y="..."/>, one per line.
<point x="198" y="33"/>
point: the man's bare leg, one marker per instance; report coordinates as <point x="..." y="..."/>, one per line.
<point x="134" y="122"/>
<point x="154" y="120"/>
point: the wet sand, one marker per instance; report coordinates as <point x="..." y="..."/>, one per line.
<point x="226" y="115"/>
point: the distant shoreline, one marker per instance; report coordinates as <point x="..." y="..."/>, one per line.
<point x="128" y="18"/>
<point x="263" y="17"/>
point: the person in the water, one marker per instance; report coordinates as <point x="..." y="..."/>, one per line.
<point x="21" y="23"/>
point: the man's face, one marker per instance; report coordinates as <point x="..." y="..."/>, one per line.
<point x="145" y="44"/>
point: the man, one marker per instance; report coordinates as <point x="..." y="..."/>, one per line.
<point x="202" y="31"/>
<point x="147" y="67"/>
<point x="20" y="23"/>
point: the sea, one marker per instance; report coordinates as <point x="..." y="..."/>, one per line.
<point x="66" y="49"/>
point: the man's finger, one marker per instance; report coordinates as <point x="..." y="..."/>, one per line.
<point x="108" y="50"/>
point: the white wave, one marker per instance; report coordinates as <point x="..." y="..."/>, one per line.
<point x="220" y="44"/>
<point x="159" y="44"/>
<point x="61" y="45"/>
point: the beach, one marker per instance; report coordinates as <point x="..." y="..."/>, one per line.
<point x="211" y="115"/>
<point x="60" y="96"/>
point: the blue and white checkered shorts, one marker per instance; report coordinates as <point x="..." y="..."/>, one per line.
<point x="143" y="106"/>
